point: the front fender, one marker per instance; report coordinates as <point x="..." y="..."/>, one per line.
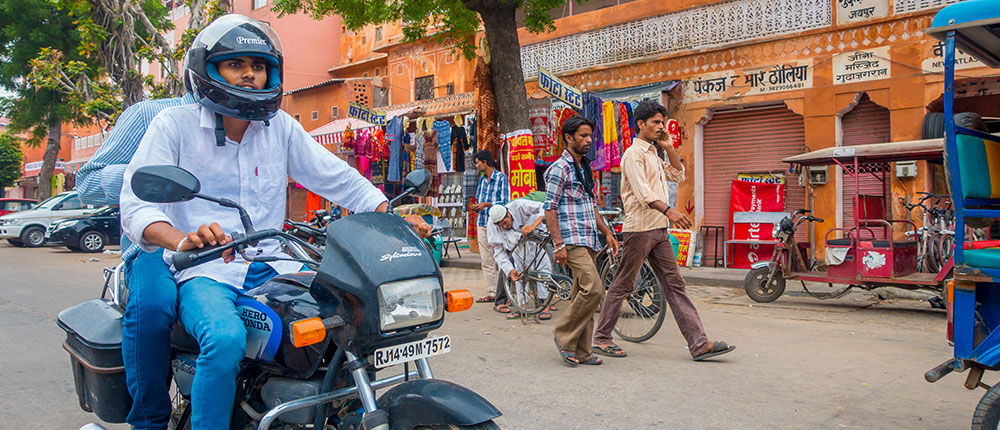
<point x="762" y="263"/>
<point x="427" y="402"/>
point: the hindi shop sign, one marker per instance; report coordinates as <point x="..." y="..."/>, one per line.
<point x="558" y="89"/>
<point x="860" y="10"/>
<point x="363" y="113"/>
<point x="861" y="66"/>
<point x="521" y="159"/>
<point x="935" y="63"/>
<point x="790" y="76"/>
<point x="37" y="165"/>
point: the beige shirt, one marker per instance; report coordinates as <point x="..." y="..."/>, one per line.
<point x="644" y="180"/>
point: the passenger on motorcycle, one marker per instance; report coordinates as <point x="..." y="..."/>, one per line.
<point x="242" y="147"/>
<point x="508" y="223"/>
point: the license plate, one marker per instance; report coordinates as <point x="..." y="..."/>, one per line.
<point x="396" y="354"/>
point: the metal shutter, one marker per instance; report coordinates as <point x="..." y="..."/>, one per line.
<point x="750" y="140"/>
<point x="867" y="123"/>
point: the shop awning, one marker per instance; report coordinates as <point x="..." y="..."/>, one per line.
<point x="976" y="24"/>
<point x="927" y="149"/>
<point x="333" y="132"/>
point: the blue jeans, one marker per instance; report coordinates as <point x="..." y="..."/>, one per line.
<point x="208" y="311"/>
<point x="149" y="317"/>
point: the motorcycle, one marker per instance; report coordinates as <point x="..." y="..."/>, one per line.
<point x="316" y="341"/>
<point x="311" y="230"/>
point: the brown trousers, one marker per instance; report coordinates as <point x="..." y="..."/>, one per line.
<point x="655" y="245"/>
<point x="576" y="327"/>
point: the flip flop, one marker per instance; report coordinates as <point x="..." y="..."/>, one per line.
<point x="568" y="357"/>
<point x="553" y="308"/>
<point x="544" y="316"/>
<point x="504" y="309"/>
<point x="718" y="348"/>
<point x="593" y="361"/>
<point x="514" y="315"/>
<point x="610" y="351"/>
<point x="486" y="299"/>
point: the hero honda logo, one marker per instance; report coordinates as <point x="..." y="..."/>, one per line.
<point x="404" y="252"/>
<point x="250" y="41"/>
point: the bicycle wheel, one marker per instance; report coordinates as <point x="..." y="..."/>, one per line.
<point x="945" y="249"/>
<point x="529" y="295"/>
<point x="643" y="309"/>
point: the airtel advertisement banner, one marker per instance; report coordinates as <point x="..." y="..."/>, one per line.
<point x="753" y="196"/>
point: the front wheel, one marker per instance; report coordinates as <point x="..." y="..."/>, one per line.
<point x="33" y="236"/>
<point x="92" y="241"/>
<point x="755" y="288"/>
<point x="488" y="425"/>
<point x="987" y="415"/>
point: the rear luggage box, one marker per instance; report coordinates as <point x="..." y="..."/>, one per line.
<point x="94" y="343"/>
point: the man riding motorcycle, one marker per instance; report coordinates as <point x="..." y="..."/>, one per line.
<point x="241" y="146"/>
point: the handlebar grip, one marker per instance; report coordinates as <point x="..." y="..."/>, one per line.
<point x="188" y="259"/>
<point x="802" y="211"/>
<point x="818" y="219"/>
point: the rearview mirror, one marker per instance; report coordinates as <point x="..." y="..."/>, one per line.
<point x="419" y="179"/>
<point x="164" y="184"/>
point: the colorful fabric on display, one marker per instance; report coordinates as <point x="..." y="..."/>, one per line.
<point x="378" y="172"/>
<point x="593" y="109"/>
<point x="470" y="179"/>
<point x="418" y="150"/>
<point x="362" y="144"/>
<point x="443" y="130"/>
<point x="626" y="135"/>
<point x="542" y="123"/>
<point x="488" y="134"/>
<point x="459" y="144"/>
<point x="314" y="201"/>
<point x="407" y="156"/>
<point x="630" y="108"/>
<point x="365" y="166"/>
<point x="611" y="154"/>
<point x="380" y="149"/>
<point x="348" y="142"/>
<point x="394" y="134"/>
<point x="431" y="162"/>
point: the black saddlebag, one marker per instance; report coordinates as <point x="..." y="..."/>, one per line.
<point x="94" y="343"/>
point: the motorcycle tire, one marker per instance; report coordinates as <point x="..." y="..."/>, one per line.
<point x="488" y="425"/>
<point x="753" y="284"/>
<point x="987" y="415"/>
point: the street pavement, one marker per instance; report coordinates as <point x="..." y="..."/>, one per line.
<point x="799" y="364"/>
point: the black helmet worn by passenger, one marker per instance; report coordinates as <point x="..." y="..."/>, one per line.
<point x="228" y="37"/>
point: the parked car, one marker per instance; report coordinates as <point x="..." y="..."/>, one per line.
<point x="9" y="206"/>
<point x="87" y="233"/>
<point x="27" y="228"/>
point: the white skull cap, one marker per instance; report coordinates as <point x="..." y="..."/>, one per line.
<point x="497" y="213"/>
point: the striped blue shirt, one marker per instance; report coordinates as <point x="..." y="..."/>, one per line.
<point x="495" y="190"/>
<point x="99" y="182"/>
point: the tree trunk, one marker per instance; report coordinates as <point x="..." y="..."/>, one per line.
<point x="505" y="51"/>
<point x="49" y="159"/>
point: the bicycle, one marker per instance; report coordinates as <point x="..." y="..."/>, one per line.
<point x="534" y="251"/>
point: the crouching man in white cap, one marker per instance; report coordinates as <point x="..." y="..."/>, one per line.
<point x="507" y="225"/>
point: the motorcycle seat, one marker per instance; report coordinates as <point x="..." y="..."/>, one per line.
<point x="181" y="340"/>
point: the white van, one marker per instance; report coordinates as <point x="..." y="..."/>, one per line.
<point x="27" y="228"/>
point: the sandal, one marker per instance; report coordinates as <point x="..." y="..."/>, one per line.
<point x="718" y="348"/>
<point x="486" y="299"/>
<point x="504" y="309"/>
<point x="593" y="361"/>
<point x="514" y="315"/>
<point x="544" y="316"/>
<point x="568" y="357"/>
<point x="553" y="308"/>
<point x="610" y="350"/>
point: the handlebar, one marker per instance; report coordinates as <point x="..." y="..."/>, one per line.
<point x="801" y="212"/>
<point x="188" y="259"/>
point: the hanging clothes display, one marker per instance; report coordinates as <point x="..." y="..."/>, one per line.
<point x="611" y="154"/>
<point x="593" y="110"/>
<point x="379" y="150"/>
<point x="430" y="155"/>
<point x="348" y="142"/>
<point x="488" y="133"/>
<point x="459" y="144"/>
<point x="470" y="128"/>
<point x="407" y="156"/>
<point x="394" y="134"/>
<point x="626" y="127"/>
<point x="542" y="123"/>
<point x="418" y="149"/>
<point x="443" y="130"/>
<point x="362" y="149"/>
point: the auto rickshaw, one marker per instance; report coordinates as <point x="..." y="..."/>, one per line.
<point x="973" y="162"/>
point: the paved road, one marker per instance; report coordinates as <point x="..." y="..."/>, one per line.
<point x="800" y="363"/>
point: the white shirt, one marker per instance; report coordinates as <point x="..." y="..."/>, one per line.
<point x="523" y="212"/>
<point x="251" y="172"/>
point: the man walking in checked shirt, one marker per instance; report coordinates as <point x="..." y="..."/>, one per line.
<point x="493" y="190"/>
<point x="572" y="218"/>
<point x="644" y="192"/>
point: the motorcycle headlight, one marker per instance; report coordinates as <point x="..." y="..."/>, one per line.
<point x="409" y="303"/>
<point x="776" y="230"/>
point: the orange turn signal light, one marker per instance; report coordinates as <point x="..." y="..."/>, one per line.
<point x="459" y="300"/>
<point x="308" y="332"/>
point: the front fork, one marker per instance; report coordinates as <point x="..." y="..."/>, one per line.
<point x="374" y="418"/>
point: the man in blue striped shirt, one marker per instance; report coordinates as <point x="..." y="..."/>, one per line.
<point x="493" y="190"/>
<point x="152" y="301"/>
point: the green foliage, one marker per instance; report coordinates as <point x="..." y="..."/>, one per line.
<point x="10" y="160"/>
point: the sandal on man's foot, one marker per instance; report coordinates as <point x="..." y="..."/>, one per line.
<point x="514" y="315"/>
<point x="544" y="316"/>
<point x="486" y="299"/>
<point x="504" y="309"/>
<point x="553" y="308"/>
<point x="593" y="361"/>
<point x="610" y="350"/>
<point x="568" y="357"/>
<point x="718" y="348"/>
